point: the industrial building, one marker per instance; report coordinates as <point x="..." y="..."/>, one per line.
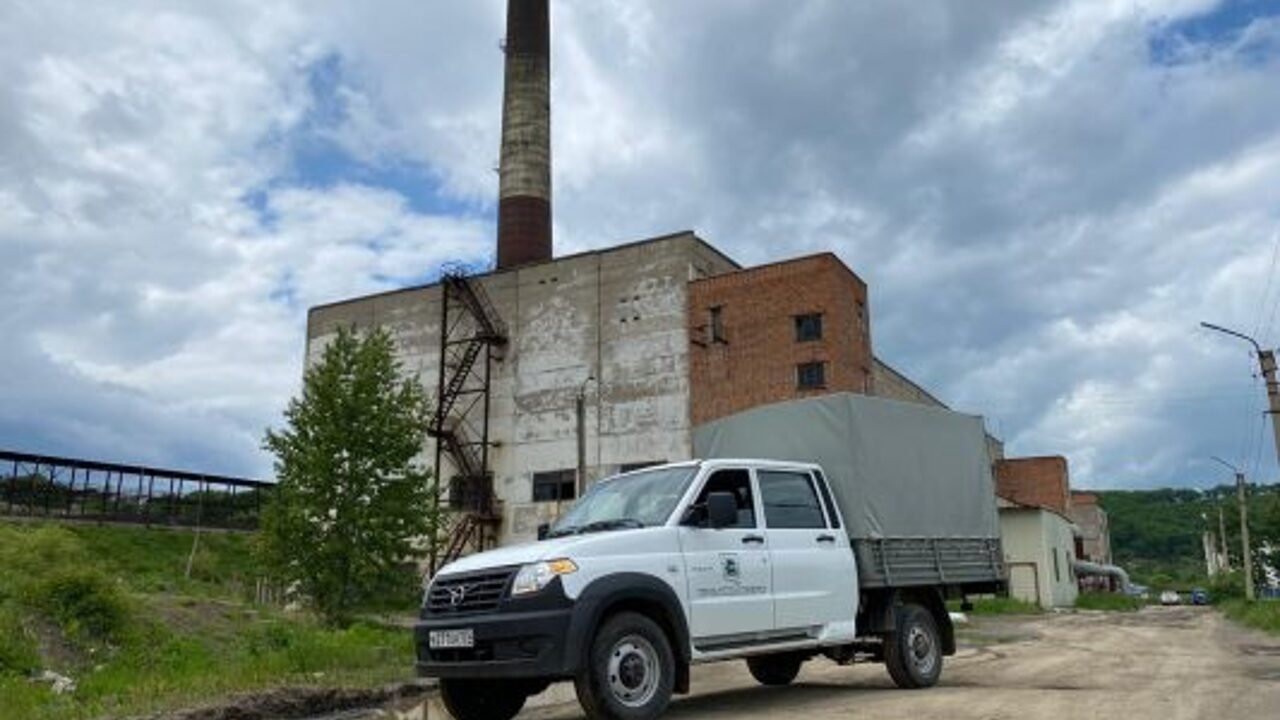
<point x="1039" y="538"/>
<point x="548" y="372"/>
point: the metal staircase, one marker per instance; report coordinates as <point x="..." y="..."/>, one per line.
<point x="471" y="333"/>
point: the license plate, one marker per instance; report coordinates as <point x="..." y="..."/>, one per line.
<point x="451" y="638"/>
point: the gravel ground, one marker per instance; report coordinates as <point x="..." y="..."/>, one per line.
<point x="1165" y="663"/>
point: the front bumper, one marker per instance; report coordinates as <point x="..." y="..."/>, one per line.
<point x="521" y="639"/>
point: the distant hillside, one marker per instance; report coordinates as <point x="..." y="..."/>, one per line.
<point x="1155" y="534"/>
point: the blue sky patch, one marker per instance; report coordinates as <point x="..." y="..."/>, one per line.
<point x="1187" y="39"/>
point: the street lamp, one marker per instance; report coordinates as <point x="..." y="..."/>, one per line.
<point x="1267" y="360"/>
<point x="1244" y="526"/>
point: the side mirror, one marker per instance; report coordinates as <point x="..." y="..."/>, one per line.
<point x="543" y="530"/>
<point x="722" y="509"/>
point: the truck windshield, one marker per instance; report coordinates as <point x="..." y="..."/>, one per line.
<point x="638" y="499"/>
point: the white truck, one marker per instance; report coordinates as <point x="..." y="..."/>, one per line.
<point x="771" y="561"/>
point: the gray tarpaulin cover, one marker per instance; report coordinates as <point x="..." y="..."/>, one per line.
<point x="897" y="469"/>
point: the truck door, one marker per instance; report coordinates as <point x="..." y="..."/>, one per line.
<point x="728" y="569"/>
<point x="814" y="580"/>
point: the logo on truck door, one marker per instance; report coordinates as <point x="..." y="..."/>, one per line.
<point x="725" y="578"/>
<point x="730" y="569"/>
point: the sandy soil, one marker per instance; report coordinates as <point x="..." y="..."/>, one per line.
<point x="1165" y="663"/>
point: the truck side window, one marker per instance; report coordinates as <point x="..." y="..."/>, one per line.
<point x="789" y="500"/>
<point x="832" y="518"/>
<point x="737" y="482"/>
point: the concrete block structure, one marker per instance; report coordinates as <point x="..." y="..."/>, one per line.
<point x="1095" y="529"/>
<point x="1039" y="552"/>
<point x="617" y="316"/>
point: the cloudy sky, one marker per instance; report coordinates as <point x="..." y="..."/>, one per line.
<point x="1045" y="197"/>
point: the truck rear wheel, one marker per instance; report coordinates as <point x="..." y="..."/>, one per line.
<point x="778" y="669"/>
<point x="482" y="699"/>
<point x="913" y="651"/>
<point x="630" y="671"/>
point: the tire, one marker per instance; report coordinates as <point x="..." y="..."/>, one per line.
<point x="482" y="699"/>
<point x="630" y="670"/>
<point x="913" y="651"/>
<point x="775" y="670"/>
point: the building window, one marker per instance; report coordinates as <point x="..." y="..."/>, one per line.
<point x="555" y="485"/>
<point x="1057" y="574"/>
<point x="632" y="467"/>
<point x="811" y="375"/>
<point x="862" y="320"/>
<point x="717" y="324"/>
<point x="809" y="327"/>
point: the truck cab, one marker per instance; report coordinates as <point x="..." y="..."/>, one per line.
<point x="654" y="570"/>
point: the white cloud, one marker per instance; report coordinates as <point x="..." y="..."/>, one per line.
<point x="1043" y="209"/>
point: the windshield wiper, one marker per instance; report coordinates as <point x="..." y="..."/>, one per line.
<point x="615" y="524"/>
<point x="597" y="526"/>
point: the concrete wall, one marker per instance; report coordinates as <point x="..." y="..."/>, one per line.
<point x="1033" y="538"/>
<point x="754" y="360"/>
<point x="618" y="315"/>
<point x="1095" y="528"/>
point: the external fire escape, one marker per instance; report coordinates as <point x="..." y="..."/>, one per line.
<point x="471" y="336"/>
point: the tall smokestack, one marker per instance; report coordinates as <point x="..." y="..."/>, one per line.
<point x="524" y="185"/>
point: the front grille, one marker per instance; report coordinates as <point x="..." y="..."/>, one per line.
<point x="469" y="593"/>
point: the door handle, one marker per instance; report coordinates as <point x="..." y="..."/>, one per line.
<point x="748" y="539"/>
<point x="826" y="538"/>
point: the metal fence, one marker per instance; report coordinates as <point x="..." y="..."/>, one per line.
<point x="43" y="486"/>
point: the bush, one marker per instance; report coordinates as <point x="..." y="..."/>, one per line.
<point x="1114" y="602"/>
<point x="1261" y="614"/>
<point x="18" y="654"/>
<point x="84" y="603"/>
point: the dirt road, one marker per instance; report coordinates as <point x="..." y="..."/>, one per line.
<point x="1161" y="663"/>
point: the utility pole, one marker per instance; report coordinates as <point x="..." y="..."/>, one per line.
<point x="1267" y="361"/>
<point x="580" y="406"/>
<point x="1222" y="539"/>
<point x="1243" y="503"/>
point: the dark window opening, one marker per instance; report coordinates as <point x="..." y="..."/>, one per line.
<point x="737" y="482"/>
<point x="789" y="500"/>
<point x="809" y="327"/>
<point x="717" y="324"/>
<point x="555" y="485"/>
<point x="1057" y="574"/>
<point x="811" y="375"/>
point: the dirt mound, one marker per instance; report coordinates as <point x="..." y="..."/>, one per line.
<point x="298" y="702"/>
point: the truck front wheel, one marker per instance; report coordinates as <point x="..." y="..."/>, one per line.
<point x="913" y="651"/>
<point x="630" y="671"/>
<point x="778" y="669"/>
<point x="482" y="699"/>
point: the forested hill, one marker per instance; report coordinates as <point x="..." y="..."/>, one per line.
<point x="1155" y="534"/>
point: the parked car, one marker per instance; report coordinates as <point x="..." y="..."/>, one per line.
<point x="1170" y="597"/>
<point x="1199" y="596"/>
<point x="655" y="570"/>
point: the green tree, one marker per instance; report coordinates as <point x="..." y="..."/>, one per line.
<point x="352" y="500"/>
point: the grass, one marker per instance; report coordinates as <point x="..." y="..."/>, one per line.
<point x="111" y="608"/>
<point x="1113" y="602"/>
<point x="998" y="606"/>
<point x="1262" y="614"/>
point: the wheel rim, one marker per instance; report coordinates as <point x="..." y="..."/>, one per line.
<point x="922" y="650"/>
<point x="633" y="671"/>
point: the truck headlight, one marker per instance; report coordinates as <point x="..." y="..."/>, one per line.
<point x="535" y="576"/>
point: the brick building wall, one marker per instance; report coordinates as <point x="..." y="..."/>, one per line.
<point x="1035" y="481"/>
<point x="1095" y="529"/>
<point x="745" y="344"/>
